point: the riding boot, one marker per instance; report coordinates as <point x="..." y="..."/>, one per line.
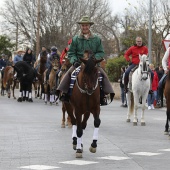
<point x="65" y="97"/>
<point x="103" y="99"/>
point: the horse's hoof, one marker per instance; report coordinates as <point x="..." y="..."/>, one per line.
<point x="23" y="99"/>
<point x="27" y="99"/>
<point x="92" y="150"/>
<point x="8" y="96"/>
<point x="134" y="123"/>
<point x="166" y="133"/>
<point x="128" y="120"/>
<point x="45" y="102"/>
<point x="63" y="126"/>
<point x="143" y="123"/>
<point x="51" y="103"/>
<point x="19" y="99"/>
<point x="56" y="103"/>
<point x="79" y="153"/>
<point x="30" y="100"/>
<point x="14" y="97"/>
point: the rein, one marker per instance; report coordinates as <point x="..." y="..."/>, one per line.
<point x="86" y="90"/>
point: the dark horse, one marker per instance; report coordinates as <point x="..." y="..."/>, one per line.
<point x="167" y="96"/>
<point x="85" y="99"/>
<point x="25" y="75"/>
<point x="40" y="72"/>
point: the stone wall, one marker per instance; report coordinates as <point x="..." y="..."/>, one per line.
<point x="116" y="88"/>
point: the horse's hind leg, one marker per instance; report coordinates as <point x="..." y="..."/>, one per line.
<point x="167" y="122"/>
<point x="63" y="120"/>
<point x="135" y="119"/>
<point x="129" y="104"/>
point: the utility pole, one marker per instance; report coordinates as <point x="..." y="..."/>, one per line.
<point x="32" y="24"/>
<point x="16" y="36"/>
<point x="150" y="31"/>
<point x="38" y="29"/>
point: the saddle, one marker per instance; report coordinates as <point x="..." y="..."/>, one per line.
<point x="130" y="78"/>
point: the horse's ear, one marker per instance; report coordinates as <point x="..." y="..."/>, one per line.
<point x="83" y="60"/>
<point x="98" y="61"/>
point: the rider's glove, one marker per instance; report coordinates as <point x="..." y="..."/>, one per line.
<point x="76" y="64"/>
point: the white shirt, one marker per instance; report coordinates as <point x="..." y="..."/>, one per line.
<point x="165" y="60"/>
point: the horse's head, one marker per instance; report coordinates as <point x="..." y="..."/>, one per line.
<point x="56" y="64"/>
<point x="144" y="66"/>
<point x="20" y="72"/>
<point x="43" y="57"/>
<point x="90" y="74"/>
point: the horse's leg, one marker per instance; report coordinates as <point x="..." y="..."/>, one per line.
<point x="29" y="88"/>
<point x="167" y="123"/>
<point x="79" y="135"/>
<point x="136" y="100"/>
<point x="63" y="119"/>
<point x="143" y="109"/>
<point x="128" y="97"/>
<point x="84" y="124"/>
<point x="13" y="88"/>
<point x="20" y="92"/>
<point x="97" y="122"/>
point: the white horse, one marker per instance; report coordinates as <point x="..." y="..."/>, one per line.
<point x="140" y="88"/>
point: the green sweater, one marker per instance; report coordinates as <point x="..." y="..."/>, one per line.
<point x="80" y="44"/>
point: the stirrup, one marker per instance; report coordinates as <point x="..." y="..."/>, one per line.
<point x="103" y="101"/>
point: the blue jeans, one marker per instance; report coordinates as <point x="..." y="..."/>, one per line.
<point x="126" y="78"/>
<point x="123" y="96"/>
<point x="152" y="97"/>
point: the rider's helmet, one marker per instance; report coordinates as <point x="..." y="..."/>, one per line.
<point x="53" y="48"/>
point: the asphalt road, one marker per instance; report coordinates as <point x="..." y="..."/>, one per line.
<point x="31" y="137"/>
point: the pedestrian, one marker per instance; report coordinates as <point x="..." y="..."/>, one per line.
<point x="121" y="81"/>
<point x="152" y="97"/>
<point x="86" y="40"/>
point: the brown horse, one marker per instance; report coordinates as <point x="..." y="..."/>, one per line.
<point x="85" y="99"/>
<point x="66" y="107"/>
<point x="40" y="73"/>
<point x="51" y="85"/>
<point x="167" y="96"/>
<point x="8" y="81"/>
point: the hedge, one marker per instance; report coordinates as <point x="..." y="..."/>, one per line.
<point x="113" y="67"/>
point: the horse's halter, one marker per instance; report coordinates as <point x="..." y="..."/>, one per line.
<point x="144" y="67"/>
<point x="86" y="90"/>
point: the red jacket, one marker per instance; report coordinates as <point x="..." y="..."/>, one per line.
<point x="155" y="81"/>
<point x="134" y="51"/>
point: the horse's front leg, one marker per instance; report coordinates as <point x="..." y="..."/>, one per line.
<point x="20" y="92"/>
<point x="136" y="99"/>
<point x="30" y="92"/>
<point x="128" y="97"/>
<point x="79" y="135"/>
<point x="143" y="110"/>
<point x="97" y="122"/>
<point x="167" y="123"/>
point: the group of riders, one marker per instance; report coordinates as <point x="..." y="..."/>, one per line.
<point x="86" y="40"/>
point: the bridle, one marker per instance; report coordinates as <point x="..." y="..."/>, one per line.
<point x="144" y="69"/>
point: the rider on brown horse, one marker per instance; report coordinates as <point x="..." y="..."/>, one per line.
<point x="86" y="40"/>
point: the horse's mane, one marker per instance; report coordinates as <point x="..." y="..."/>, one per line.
<point x="168" y="75"/>
<point x="43" y="57"/>
<point x="89" y="66"/>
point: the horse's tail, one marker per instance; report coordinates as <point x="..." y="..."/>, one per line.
<point x="132" y="103"/>
<point x="5" y="77"/>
